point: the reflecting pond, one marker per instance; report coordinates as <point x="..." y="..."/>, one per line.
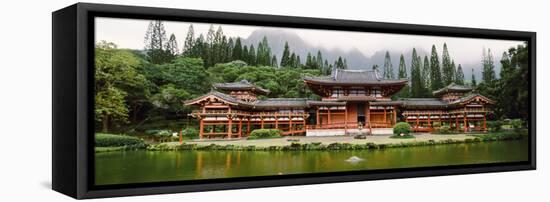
<point x="154" y="166"/>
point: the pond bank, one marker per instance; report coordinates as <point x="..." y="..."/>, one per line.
<point x="300" y="143"/>
<point x="333" y="143"/>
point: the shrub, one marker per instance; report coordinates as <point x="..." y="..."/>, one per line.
<point x="110" y="140"/>
<point x="190" y="133"/>
<point x="494" y="126"/>
<point x="401" y="127"/>
<point x="517" y="124"/>
<point x="265" y="133"/>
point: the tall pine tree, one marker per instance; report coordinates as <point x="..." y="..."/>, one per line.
<point x="447" y="67"/>
<point x="172" y="47"/>
<point x="426" y="75"/>
<point x="473" y="81"/>
<point x="459" y="76"/>
<point x="488" y="73"/>
<point x="237" y="52"/>
<point x="388" y="67"/>
<point x="417" y="87"/>
<point x="285" y="59"/>
<point x="435" y="71"/>
<point x="155" y="40"/>
<point x="402" y="71"/>
<point x="189" y="42"/>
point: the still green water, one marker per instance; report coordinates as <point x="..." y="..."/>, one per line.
<point x="156" y="166"/>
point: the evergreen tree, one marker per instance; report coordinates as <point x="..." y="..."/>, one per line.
<point x="488" y="73"/>
<point x="435" y="71"/>
<point x="252" y="55"/>
<point x="388" y="67"/>
<point x="339" y="64"/>
<point x="326" y="68"/>
<point x="172" y="45"/>
<point x="155" y="39"/>
<point x="298" y="62"/>
<point x="447" y="68"/>
<point x="417" y="87"/>
<point x="402" y="72"/>
<point x="319" y="60"/>
<point x="285" y="59"/>
<point x="426" y="75"/>
<point x="244" y="56"/>
<point x="293" y="60"/>
<point x="474" y="82"/>
<point x="274" y="62"/>
<point x="264" y="53"/>
<point x="309" y="61"/>
<point x="237" y="50"/>
<point x="229" y="50"/>
<point x="189" y="42"/>
<point x="208" y="58"/>
<point x="459" y="78"/>
<point x="200" y="48"/>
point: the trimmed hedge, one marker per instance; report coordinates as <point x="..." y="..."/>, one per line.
<point x="401" y="127"/>
<point x="265" y="133"/>
<point x="110" y="140"/>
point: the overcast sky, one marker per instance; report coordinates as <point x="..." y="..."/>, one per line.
<point x="129" y="33"/>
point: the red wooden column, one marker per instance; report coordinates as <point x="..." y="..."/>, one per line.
<point x="229" y="127"/>
<point x="430" y="121"/>
<point x="346" y="120"/>
<point x="262" y="122"/>
<point x="384" y="114"/>
<point x="484" y="122"/>
<point x="317" y="120"/>
<point x="201" y="128"/>
<point x="240" y="127"/>
<point x="465" y="118"/>
<point x="456" y="121"/>
<point x="304" y="122"/>
<point x="276" y="121"/>
<point x="290" y="124"/>
<point x="248" y="127"/>
<point x="417" y="119"/>
<point x="328" y="114"/>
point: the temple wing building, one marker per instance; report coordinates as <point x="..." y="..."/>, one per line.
<point x="351" y="101"/>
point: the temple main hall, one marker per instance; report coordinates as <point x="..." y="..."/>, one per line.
<point x="352" y="101"/>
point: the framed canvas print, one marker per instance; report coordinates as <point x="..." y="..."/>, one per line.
<point x="154" y="100"/>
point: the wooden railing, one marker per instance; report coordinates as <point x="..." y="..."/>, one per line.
<point x="351" y="125"/>
<point x="254" y="114"/>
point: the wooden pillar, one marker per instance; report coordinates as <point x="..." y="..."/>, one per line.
<point x="229" y="127"/>
<point x="346" y="120"/>
<point x="262" y="122"/>
<point x="417" y="119"/>
<point x="248" y="127"/>
<point x="429" y="120"/>
<point x="201" y="128"/>
<point x="465" y="122"/>
<point x="317" y="120"/>
<point x="304" y="123"/>
<point x="328" y="116"/>
<point x="290" y="124"/>
<point x="456" y="121"/>
<point x="384" y="114"/>
<point x="240" y="127"/>
<point x="276" y="121"/>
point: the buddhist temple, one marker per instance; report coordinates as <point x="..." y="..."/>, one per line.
<point x="352" y="101"/>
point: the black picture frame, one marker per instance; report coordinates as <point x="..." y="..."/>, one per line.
<point x="72" y="98"/>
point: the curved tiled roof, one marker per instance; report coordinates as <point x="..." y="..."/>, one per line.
<point x="452" y="88"/>
<point x="241" y="85"/>
<point x="345" y="76"/>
